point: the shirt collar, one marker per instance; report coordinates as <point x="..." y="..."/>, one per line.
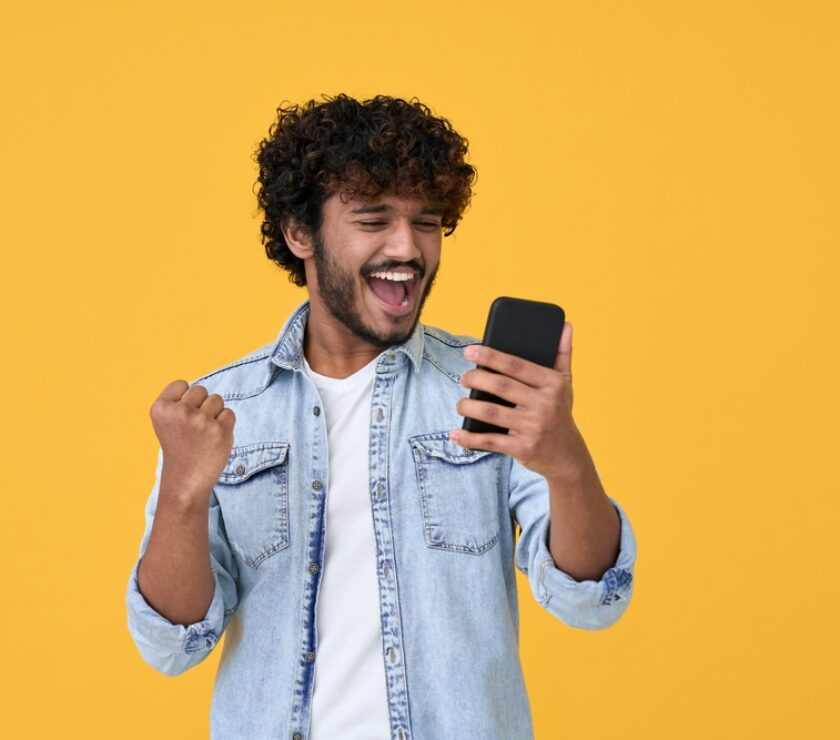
<point x="288" y="350"/>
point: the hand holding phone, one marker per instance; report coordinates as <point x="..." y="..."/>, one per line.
<point x="528" y="329"/>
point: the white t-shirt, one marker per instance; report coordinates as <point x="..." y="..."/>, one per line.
<point x="350" y="700"/>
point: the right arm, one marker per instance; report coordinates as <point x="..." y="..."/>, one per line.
<point x="174" y="574"/>
<point x="182" y="590"/>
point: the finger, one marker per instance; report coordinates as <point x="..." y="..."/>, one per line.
<point x="499" y="385"/>
<point x="492" y="442"/>
<point x="194" y="396"/>
<point x="226" y="417"/>
<point x="174" y="390"/>
<point x="493" y="413"/>
<point x="523" y="370"/>
<point x="563" y="361"/>
<point x="212" y="405"/>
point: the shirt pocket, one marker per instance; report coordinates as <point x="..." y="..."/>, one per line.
<point x="253" y="492"/>
<point x="459" y="494"/>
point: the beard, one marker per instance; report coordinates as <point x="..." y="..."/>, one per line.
<point x="337" y="288"/>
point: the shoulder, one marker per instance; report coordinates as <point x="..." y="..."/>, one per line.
<point x="245" y="376"/>
<point x="445" y="351"/>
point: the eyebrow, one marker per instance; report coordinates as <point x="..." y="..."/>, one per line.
<point x="384" y="207"/>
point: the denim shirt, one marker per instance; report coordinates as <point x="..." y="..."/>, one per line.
<point x="445" y="522"/>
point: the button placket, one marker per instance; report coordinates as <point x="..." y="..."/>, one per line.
<point x="389" y="611"/>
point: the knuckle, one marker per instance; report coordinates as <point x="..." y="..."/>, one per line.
<point x="504" y="385"/>
<point x="180" y="385"/>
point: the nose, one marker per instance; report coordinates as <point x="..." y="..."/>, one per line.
<point x="402" y="244"/>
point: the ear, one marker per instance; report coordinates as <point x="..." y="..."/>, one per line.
<point x="297" y="237"/>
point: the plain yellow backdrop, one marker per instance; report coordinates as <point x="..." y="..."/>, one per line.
<point x="665" y="171"/>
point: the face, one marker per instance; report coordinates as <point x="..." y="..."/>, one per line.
<point x="375" y="262"/>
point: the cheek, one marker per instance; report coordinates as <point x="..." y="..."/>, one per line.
<point x="431" y="253"/>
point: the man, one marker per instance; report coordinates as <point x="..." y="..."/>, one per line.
<point x="313" y="500"/>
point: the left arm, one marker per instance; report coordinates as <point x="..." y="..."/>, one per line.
<point x="585" y="527"/>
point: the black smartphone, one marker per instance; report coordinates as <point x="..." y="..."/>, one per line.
<point x="528" y="329"/>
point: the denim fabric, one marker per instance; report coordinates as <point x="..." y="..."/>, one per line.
<point x="445" y="522"/>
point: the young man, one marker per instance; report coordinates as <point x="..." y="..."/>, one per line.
<point x="313" y="500"/>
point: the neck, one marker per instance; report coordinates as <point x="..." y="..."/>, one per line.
<point x="330" y="348"/>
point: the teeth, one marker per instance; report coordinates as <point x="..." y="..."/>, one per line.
<point x="396" y="276"/>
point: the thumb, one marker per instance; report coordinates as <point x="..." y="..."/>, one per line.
<point x="563" y="361"/>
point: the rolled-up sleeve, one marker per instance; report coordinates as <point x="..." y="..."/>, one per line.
<point x="175" y="648"/>
<point x="585" y="604"/>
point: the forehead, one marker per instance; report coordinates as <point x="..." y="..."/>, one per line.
<point x="385" y="203"/>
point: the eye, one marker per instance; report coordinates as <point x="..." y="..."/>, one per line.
<point x="431" y="224"/>
<point x="371" y="223"/>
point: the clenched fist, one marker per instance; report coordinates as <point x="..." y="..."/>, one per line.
<point x="195" y="431"/>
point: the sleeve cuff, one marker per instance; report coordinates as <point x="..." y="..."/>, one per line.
<point x="588" y="604"/>
<point x="155" y="633"/>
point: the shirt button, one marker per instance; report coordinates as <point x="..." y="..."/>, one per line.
<point x="316" y="410"/>
<point x="317" y="485"/>
<point x="392" y="654"/>
<point x="313" y="567"/>
<point x="389" y="357"/>
<point x="309" y="657"/>
<point x="297" y="736"/>
<point x="380" y="415"/>
<point x="380" y="489"/>
<point x="240" y="469"/>
<point x="385" y="570"/>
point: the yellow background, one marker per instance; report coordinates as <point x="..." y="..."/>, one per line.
<point x="665" y="171"/>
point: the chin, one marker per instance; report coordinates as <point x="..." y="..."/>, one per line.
<point x="389" y="333"/>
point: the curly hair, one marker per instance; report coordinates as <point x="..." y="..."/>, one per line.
<point x="383" y="145"/>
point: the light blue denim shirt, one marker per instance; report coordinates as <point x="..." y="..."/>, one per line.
<point x="445" y="521"/>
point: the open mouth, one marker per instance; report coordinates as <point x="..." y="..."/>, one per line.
<point x="395" y="291"/>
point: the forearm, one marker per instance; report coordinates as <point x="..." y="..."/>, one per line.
<point x="585" y="529"/>
<point x="174" y="574"/>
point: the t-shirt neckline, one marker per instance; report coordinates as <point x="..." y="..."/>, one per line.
<point x="361" y="375"/>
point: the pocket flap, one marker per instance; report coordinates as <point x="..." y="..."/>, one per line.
<point x="439" y="445"/>
<point x="245" y="460"/>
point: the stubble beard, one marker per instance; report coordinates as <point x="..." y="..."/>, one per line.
<point x="337" y="290"/>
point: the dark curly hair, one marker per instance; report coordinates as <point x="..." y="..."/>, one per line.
<point x="381" y="145"/>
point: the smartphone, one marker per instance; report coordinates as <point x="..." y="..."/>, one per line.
<point x="529" y="329"/>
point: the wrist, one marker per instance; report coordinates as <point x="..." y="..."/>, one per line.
<point x="183" y="499"/>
